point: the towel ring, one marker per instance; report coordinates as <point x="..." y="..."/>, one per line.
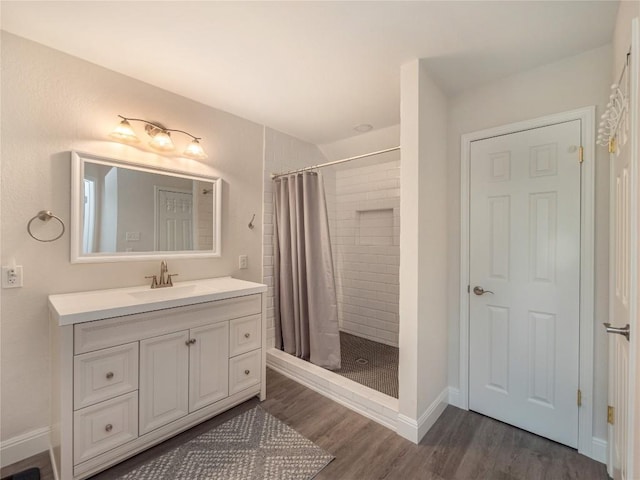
<point x="45" y="216"/>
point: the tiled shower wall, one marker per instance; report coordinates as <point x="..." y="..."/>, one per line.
<point x="281" y="153"/>
<point x="364" y="203"/>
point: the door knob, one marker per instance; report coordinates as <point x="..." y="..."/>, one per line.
<point x="624" y="331"/>
<point x="481" y="291"/>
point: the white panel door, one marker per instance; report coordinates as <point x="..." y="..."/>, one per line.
<point x="620" y="310"/>
<point x="209" y="365"/>
<point x="525" y="255"/>
<point x="164" y="377"/>
<point x="174" y="222"/>
<point x="623" y="285"/>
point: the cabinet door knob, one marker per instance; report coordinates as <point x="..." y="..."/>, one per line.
<point x="247" y="335"/>
<point x="109" y="427"/>
<point x="109" y="375"/>
<point x="247" y="372"/>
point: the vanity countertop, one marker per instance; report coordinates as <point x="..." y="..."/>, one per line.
<point x="71" y="308"/>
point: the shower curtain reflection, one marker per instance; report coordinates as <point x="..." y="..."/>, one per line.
<point x="306" y="315"/>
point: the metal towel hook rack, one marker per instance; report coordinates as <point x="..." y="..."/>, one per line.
<point x="45" y="216"/>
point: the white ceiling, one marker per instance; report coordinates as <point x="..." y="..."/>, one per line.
<point x="312" y="69"/>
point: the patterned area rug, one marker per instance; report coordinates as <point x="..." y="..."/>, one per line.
<point x="253" y="445"/>
<point x="369" y="363"/>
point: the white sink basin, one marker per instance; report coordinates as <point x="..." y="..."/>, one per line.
<point x="71" y="308"/>
<point x="167" y="292"/>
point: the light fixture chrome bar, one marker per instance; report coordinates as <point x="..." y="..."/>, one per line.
<point x="160" y="137"/>
<point x="160" y="127"/>
<point x="335" y="162"/>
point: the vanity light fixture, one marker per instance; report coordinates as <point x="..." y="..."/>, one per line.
<point x="124" y="133"/>
<point x="160" y="137"/>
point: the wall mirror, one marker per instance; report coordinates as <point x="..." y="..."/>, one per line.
<point x="122" y="212"/>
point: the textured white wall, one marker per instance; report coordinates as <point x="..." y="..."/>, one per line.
<point x="281" y="153"/>
<point x="53" y="103"/>
<point x="566" y="85"/>
<point x="423" y="247"/>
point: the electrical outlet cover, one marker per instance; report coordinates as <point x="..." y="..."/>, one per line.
<point x="12" y="280"/>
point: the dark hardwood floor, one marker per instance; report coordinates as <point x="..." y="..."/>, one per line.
<point x="461" y="445"/>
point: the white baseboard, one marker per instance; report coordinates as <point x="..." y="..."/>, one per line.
<point x="600" y="450"/>
<point x="24" y="446"/>
<point x="454" y="397"/>
<point x="415" y="430"/>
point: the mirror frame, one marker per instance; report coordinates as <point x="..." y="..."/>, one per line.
<point x="77" y="197"/>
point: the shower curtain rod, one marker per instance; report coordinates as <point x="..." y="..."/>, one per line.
<point x="335" y="162"/>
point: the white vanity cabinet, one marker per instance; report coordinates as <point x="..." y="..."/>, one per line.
<point x="208" y="366"/>
<point x="164" y="370"/>
<point x="128" y="374"/>
<point x="182" y="372"/>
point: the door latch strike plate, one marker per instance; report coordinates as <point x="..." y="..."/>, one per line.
<point x="579" y="397"/>
<point x="610" y="415"/>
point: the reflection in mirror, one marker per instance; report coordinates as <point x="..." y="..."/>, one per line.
<point x="127" y="212"/>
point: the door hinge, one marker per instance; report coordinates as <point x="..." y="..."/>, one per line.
<point x="581" y="154"/>
<point x="612" y="145"/>
<point x="610" y="415"/>
<point x="468" y="288"/>
<point x="579" y="397"/>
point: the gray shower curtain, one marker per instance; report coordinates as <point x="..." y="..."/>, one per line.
<point x="305" y="307"/>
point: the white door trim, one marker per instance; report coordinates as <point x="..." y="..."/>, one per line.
<point x="587" y="263"/>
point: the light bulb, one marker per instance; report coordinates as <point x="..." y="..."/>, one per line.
<point x="195" y="150"/>
<point x="124" y="133"/>
<point x="162" y="141"/>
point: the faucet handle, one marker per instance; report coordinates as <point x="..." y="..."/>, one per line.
<point x="169" y="281"/>
<point x="154" y="281"/>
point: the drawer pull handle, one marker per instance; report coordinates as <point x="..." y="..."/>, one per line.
<point x="188" y="343"/>
<point x="109" y="427"/>
<point x="247" y="372"/>
<point x="247" y="335"/>
<point x="109" y="375"/>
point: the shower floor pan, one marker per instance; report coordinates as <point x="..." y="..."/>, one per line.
<point x="372" y="364"/>
<point x="366" y="401"/>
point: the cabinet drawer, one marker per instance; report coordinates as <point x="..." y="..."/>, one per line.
<point x="99" y="334"/>
<point x="104" y="426"/>
<point x="244" y="335"/>
<point x="244" y="371"/>
<point x="104" y="374"/>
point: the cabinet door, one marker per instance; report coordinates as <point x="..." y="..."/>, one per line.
<point x="209" y="365"/>
<point x="164" y="372"/>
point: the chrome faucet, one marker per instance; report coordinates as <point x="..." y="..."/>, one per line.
<point x="165" y="278"/>
<point x="163" y="272"/>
